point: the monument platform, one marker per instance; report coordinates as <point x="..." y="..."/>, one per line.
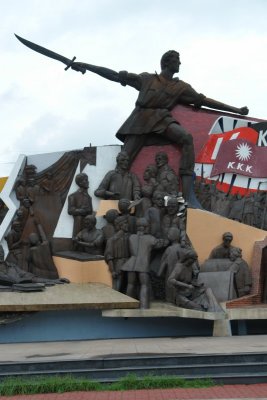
<point x="67" y="297"/>
<point x="160" y="309"/>
<point x="222" y="320"/>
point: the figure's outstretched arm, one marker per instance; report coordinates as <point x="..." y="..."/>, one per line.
<point x="217" y="105"/>
<point x="102" y="71"/>
<point x="122" y="77"/>
<point x="190" y="96"/>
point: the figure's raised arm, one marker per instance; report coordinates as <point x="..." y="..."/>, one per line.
<point x="122" y="77"/>
<point x="102" y="71"/>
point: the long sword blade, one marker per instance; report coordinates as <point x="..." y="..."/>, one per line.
<point x="47" y="52"/>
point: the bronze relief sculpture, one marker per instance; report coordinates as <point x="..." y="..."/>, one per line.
<point x="80" y="203"/>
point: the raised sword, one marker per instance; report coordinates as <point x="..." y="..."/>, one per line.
<point x="49" y="53"/>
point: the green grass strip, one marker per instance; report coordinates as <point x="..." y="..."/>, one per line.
<point x="68" y="383"/>
<point x="132" y="382"/>
<point x="42" y="384"/>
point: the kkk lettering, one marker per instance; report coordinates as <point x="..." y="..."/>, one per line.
<point x="262" y="141"/>
<point x="232" y="165"/>
<point x="261" y="128"/>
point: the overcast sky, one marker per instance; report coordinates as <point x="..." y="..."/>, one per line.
<point x="223" y="47"/>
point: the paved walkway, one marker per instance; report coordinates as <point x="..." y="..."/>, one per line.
<point x="75" y="350"/>
<point x="245" y="392"/>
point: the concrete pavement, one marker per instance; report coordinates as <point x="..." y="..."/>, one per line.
<point x="75" y="350"/>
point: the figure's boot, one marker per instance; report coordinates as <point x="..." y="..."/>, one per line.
<point x="188" y="192"/>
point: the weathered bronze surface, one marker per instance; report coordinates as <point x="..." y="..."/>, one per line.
<point x="80" y="203"/>
<point x="13" y="277"/>
<point x="138" y="265"/>
<point x="117" y="252"/>
<point x="223" y="249"/>
<point x="90" y="239"/>
<point x="119" y="183"/>
<point x="226" y="257"/>
<point x="144" y="243"/>
<point x="158" y="94"/>
<point x="189" y="293"/>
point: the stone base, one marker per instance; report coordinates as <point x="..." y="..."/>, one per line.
<point x="222" y="321"/>
<point x="222" y="328"/>
<point x="159" y="309"/>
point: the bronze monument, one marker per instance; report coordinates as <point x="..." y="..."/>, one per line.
<point x="158" y="94"/>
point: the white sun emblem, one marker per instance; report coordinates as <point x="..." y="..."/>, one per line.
<point x="243" y="151"/>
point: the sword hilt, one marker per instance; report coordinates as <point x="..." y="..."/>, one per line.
<point x="82" y="70"/>
<point x="70" y="63"/>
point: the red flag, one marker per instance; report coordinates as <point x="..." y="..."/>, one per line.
<point x="212" y="148"/>
<point x="241" y="157"/>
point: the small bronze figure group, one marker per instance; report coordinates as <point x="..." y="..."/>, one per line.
<point x="226" y="257"/>
<point x="13" y="278"/>
<point x="40" y="198"/>
<point x="143" y="241"/>
<point x="160" y="240"/>
<point x="155" y="234"/>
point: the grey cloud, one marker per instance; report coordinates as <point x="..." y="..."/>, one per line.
<point x="54" y="133"/>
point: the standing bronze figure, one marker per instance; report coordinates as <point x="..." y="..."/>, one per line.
<point x="80" y="203"/>
<point x="158" y="94"/>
